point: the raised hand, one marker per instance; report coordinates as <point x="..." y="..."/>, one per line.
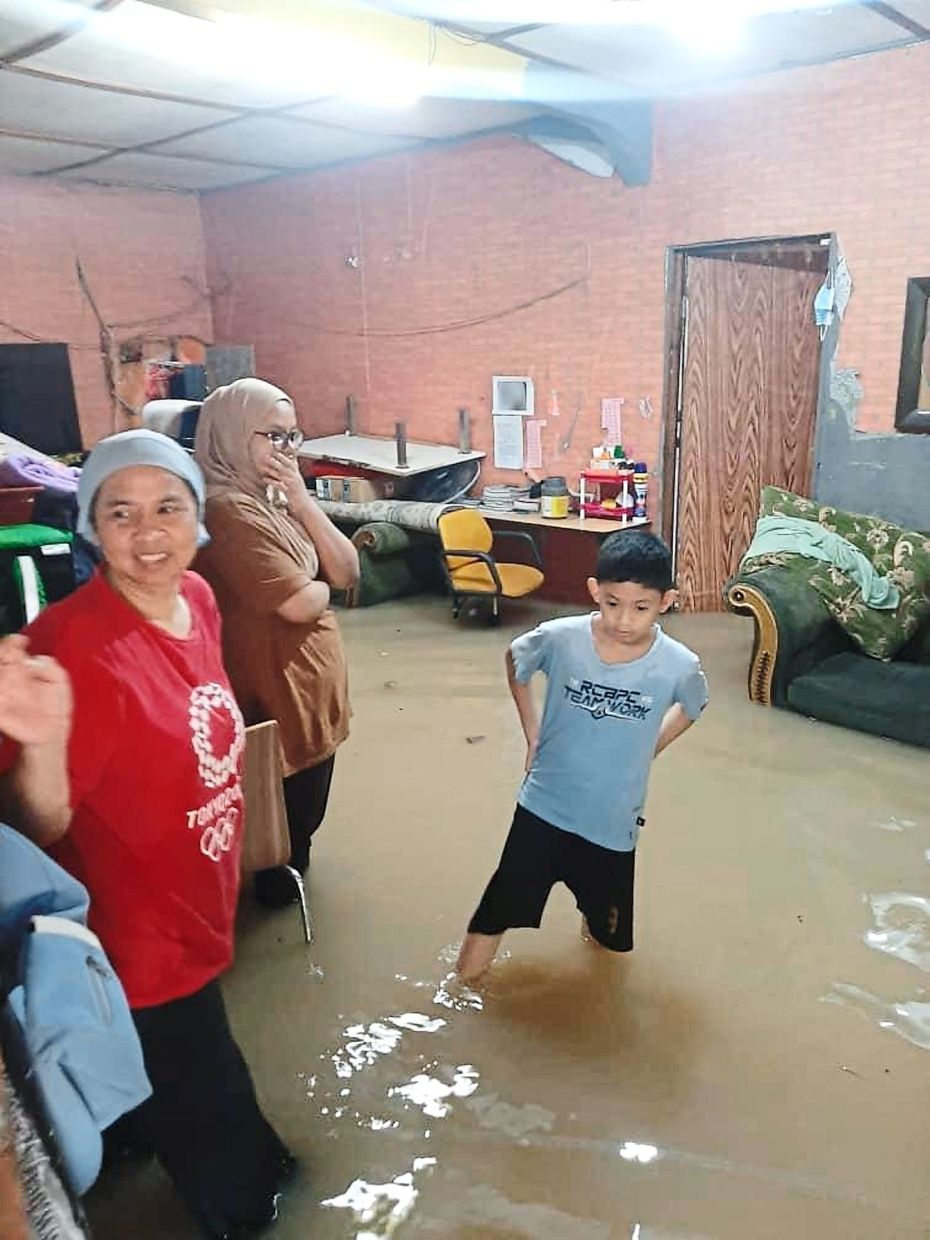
<point x="35" y="695"/>
<point x="283" y="472"/>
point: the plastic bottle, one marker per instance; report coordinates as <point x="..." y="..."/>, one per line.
<point x="640" y="489"/>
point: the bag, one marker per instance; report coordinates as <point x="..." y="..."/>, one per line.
<point x="67" y="1007"/>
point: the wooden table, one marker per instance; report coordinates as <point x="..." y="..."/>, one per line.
<point x="568" y="547"/>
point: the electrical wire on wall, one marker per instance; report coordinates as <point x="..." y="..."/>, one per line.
<point x="107" y="345"/>
<point x="454" y="325"/>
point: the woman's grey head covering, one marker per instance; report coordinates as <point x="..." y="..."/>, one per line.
<point x="128" y="448"/>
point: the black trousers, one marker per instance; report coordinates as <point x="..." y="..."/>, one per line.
<point x="306" y="795"/>
<point x="203" y="1122"/>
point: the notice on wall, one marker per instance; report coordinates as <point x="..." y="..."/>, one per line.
<point x="534" y="428"/>
<point x="610" y="419"/>
<point x="508" y="441"/>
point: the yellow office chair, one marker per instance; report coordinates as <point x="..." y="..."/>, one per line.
<point x="470" y="568"/>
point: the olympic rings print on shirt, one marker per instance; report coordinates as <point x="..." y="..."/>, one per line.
<point x="215" y="770"/>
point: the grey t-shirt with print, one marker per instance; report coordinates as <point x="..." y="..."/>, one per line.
<point x="600" y="726"/>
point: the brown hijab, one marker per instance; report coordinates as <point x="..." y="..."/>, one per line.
<point x="229" y="417"/>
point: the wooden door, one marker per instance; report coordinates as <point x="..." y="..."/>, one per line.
<point x="748" y="403"/>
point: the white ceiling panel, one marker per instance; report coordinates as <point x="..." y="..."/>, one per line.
<point x="28" y="155"/>
<point x="61" y="110"/>
<point x="916" y="10"/>
<point x="23" y="23"/>
<point x="457" y="13"/>
<point x="658" y="62"/>
<point x="148" y="48"/>
<point x="430" y="118"/>
<point x="287" y="143"/>
<point x="162" y="172"/>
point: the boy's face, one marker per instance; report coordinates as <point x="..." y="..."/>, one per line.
<point x="628" y="609"/>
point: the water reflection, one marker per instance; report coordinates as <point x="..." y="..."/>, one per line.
<point x="455" y="995"/>
<point x="517" y="1122"/>
<point x="896" y="824"/>
<point x="431" y="1094"/>
<point x="909" y="1020"/>
<point x="902" y="927"/>
<point x="633" y="1151"/>
<point x="381" y="1208"/>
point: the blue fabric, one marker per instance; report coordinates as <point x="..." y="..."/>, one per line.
<point x="600" y="726"/>
<point x="72" y="1014"/>
<point x="809" y="539"/>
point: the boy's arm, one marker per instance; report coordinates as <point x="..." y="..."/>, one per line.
<point x="526" y="709"/>
<point x="674" y="723"/>
<point x="691" y="693"/>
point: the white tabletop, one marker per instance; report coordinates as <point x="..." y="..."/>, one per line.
<point x="380" y="454"/>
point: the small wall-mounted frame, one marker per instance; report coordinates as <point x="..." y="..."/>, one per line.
<point x="912" y="413"/>
<point x="512" y="394"/>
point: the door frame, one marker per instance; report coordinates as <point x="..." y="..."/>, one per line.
<point x="675" y="355"/>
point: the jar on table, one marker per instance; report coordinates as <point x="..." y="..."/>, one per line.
<point x="553" y="498"/>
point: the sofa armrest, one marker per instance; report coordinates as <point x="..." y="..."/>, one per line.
<point x="794" y="630"/>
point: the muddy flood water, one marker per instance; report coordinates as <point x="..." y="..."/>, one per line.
<point x="757" y="1069"/>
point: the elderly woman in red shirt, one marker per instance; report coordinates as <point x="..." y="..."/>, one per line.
<point x="123" y="755"/>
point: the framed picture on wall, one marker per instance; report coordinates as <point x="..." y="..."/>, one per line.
<point x="912" y="413"/>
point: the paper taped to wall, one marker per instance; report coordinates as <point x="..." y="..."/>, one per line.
<point x="508" y="441"/>
<point x="534" y="428"/>
<point x="610" y="419"/>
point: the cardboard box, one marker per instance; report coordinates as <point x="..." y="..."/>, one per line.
<point x="352" y="490"/>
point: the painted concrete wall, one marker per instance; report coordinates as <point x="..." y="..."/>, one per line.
<point x="885" y="475"/>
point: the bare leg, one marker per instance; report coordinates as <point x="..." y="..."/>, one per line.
<point x="478" y="950"/>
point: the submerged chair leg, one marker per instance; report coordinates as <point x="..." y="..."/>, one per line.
<point x="302" y="903"/>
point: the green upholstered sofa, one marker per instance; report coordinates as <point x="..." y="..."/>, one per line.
<point x="803" y="661"/>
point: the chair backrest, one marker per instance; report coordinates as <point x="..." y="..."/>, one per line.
<point x="464" y="530"/>
<point x="266" y="842"/>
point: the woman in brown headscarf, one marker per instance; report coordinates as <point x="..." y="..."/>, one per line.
<point x="272" y="558"/>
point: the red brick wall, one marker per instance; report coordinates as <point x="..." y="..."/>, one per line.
<point x="462" y="232"/>
<point x="143" y="256"/>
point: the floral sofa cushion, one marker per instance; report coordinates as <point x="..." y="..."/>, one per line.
<point x="902" y="555"/>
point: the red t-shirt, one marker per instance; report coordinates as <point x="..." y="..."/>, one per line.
<point x="155" y="760"/>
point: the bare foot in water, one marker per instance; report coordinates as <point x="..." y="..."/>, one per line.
<point x="588" y="937"/>
<point x="476" y="955"/>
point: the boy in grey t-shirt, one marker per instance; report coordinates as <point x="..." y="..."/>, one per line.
<point x="619" y="691"/>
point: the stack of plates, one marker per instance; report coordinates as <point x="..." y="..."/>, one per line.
<point x="498" y="498"/>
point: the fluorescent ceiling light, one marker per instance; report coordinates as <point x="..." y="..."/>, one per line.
<point x="301" y="59"/>
<point x="666" y="13"/>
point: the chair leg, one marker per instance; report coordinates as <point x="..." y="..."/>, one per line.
<point x="302" y="903"/>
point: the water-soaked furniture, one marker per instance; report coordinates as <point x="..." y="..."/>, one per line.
<point x="473" y="572"/>
<point x="803" y="661"/>
<point x="393" y="562"/>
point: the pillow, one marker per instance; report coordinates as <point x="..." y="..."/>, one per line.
<point x="902" y="555"/>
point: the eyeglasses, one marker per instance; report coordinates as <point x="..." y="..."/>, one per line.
<point x="284" y="439"/>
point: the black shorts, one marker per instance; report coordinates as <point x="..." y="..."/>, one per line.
<point x="536" y="856"/>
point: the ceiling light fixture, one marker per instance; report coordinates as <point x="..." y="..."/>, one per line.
<point x="332" y="64"/>
<point x="303" y="59"/>
<point x="668" y="13"/>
